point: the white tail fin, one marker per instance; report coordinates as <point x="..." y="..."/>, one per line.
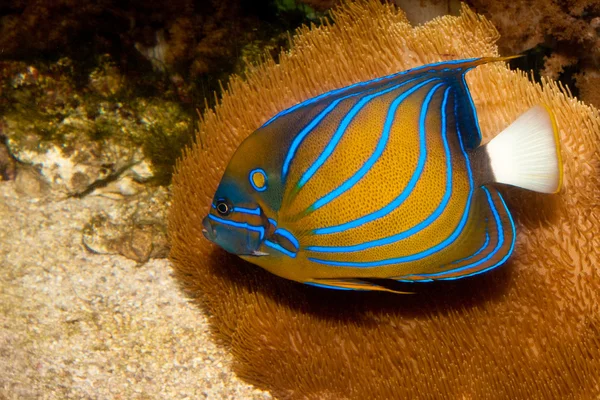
<point x="527" y="153"/>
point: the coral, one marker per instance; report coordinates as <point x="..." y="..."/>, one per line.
<point x="421" y="11"/>
<point x="565" y="29"/>
<point x="320" y="5"/>
<point x="527" y="330"/>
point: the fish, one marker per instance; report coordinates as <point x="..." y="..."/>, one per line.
<point x="382" y="181"/>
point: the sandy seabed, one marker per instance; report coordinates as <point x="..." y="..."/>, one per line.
<point x="80" y="325"/>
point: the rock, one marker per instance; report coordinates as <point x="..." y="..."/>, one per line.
<point x="7" y="164"/>
<point x="30" y="182"/>
<point x="98" y="140"/>
<point x="137" y="230"/>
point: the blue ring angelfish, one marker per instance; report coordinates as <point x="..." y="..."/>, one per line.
<point x="258" y="179"/>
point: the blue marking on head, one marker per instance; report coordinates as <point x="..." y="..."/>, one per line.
<point x="241" y="225"/>
<point x="341" y="130"/>
<point x="359" y="84"/>
<point x="251" y="211"/>
<point x="381" y="144"/>
<point x="421" y="225"/>
<point x="236" y="221"/>
<point x="432" y="250"/>
<point x="407" y="190"/>
<point x="277" y="247"/>
<point x="250" y="178"/>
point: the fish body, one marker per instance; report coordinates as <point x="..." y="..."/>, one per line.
<point x="381" y="180"/>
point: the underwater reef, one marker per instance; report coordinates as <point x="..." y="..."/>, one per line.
<point x="530" y="329"/>
<point x="196" y="42"/>
<point x="106" y="91"/>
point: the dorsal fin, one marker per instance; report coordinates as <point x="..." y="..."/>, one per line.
<point x="451" y="68"/>
<point x="464" y="110"/>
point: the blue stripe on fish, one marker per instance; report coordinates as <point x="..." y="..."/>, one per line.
<point x="381" y="145"/>
<point x="340" y="131"/>
<point x="286" y="234"/>
<point x="277" y="247"/>
<point x="359" y="84"/>
<point x="432" y="250"/>
<point x="423" y="224"/>
<point x="407" y="190"/>
<point x="241" y="225"/>
<point x="500" y="233"/>
<point x="485" y="244"/>
<point x="252" y="211"/>
<point x="313" y="124"/>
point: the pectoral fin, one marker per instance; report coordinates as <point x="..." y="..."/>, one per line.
<point x="284" y="242"/>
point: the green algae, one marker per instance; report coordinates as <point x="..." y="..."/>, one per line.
<point x="44" y="107"/>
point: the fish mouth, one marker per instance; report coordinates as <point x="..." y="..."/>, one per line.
<point x="207" y="230"/>
<point x="210" y="233"/>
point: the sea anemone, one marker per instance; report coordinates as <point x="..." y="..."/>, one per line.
<point x="530" y="329"/>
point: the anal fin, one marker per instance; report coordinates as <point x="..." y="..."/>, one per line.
<point x="497" y="245"/>
<point x="365" y="284"/>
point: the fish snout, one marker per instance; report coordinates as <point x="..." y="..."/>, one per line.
<point x="208" y="230"/>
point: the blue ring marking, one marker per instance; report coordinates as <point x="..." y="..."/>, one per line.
<point x="279" y="248"/>
<point x="255" y="211"/>
<point x="241" y="225"/>
<point x="432" y="250"/>
<point x="359" y="84"/>
<point x="381" y="145"/>
<point x="421" y="225"/>
<point x="264" y="174"/>
<point x="272" y="221"/>
<point x="341" y="130"/>
<point x="500" y="231"/>
<point x="286" y="234"/>
<point x="320" y="285"/>
<point x="313" y="123"/>
<point x="407" y="190"/>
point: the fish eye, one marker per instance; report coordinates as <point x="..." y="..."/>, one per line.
<point x="223" y="207"/>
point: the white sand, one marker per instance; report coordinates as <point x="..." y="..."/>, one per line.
<point x="81" y="325"/>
